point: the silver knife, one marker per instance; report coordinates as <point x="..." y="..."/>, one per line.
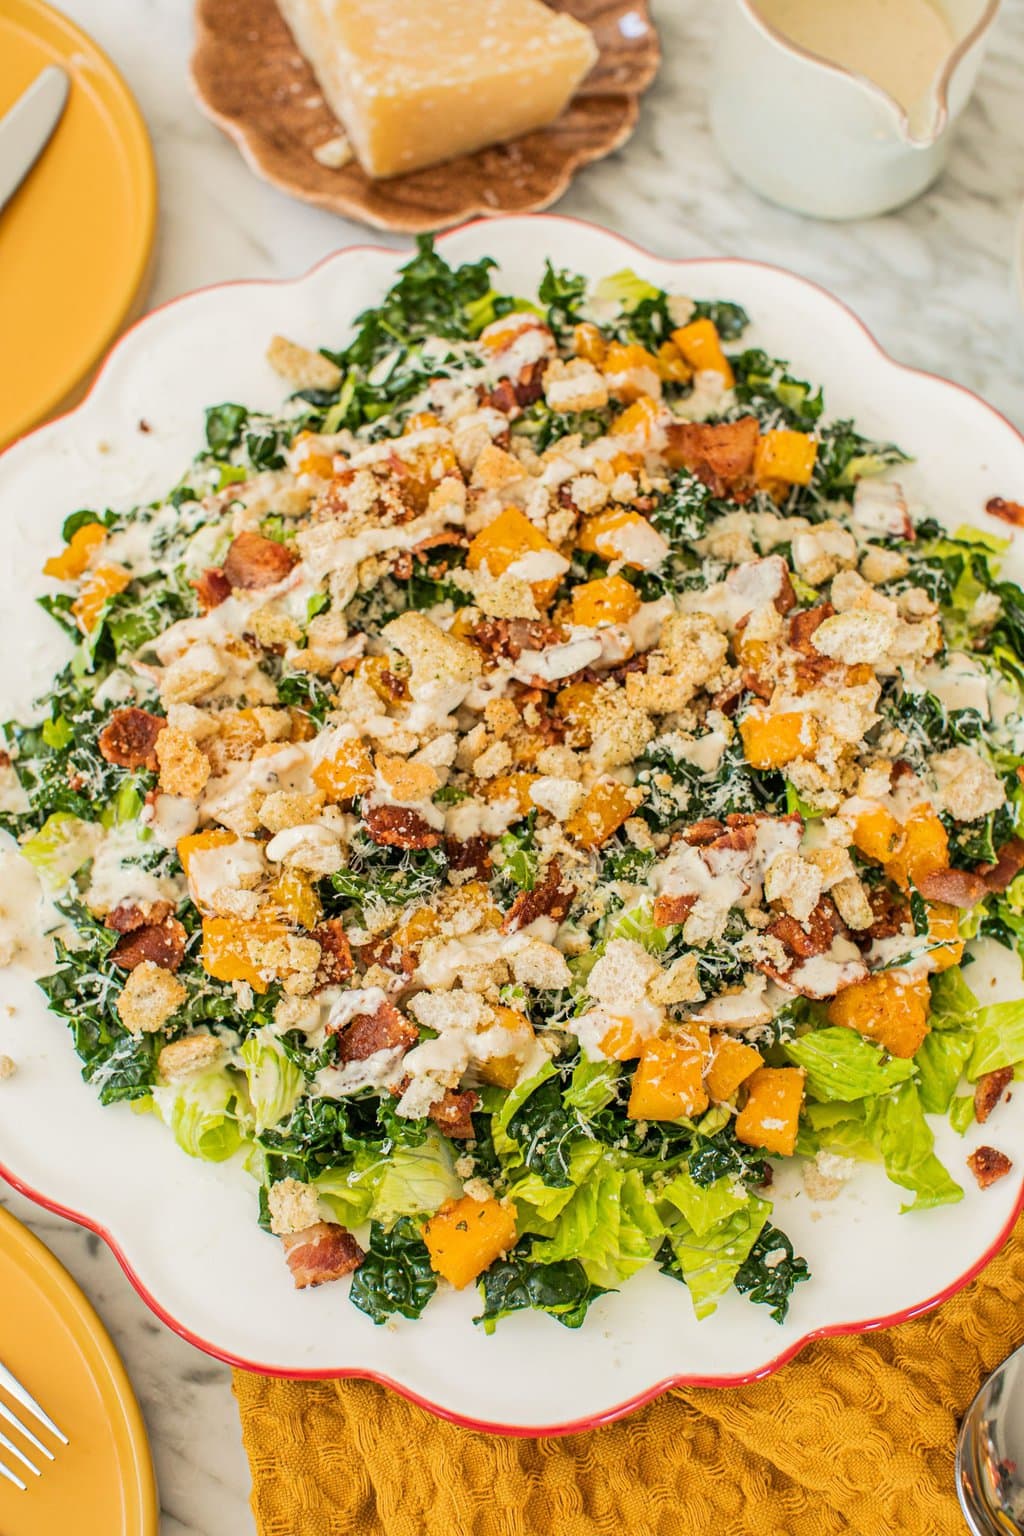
<point x="25" y="130"/>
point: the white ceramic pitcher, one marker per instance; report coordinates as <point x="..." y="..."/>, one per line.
<point x="823" y="140"/>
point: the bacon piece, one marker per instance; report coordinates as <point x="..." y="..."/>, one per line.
<point x="545" y="900"/>
<point x="474" y="854"/>
<point x="530" y="384"/>
<point x="367" y="1033"/>
<point x="892" y="915"/>
<point x="703" y="832"/>
<point x="802" y="626"/>
<point x="128" y="740"/>
<point x="127" y="917"/>
<point x="385" y="952"/>
<point x="502" y="397"/>
<point x="1008" y="865"/>
<point x="509" y="638"/>
<point x="814" y="939"/>
<point x="335" y="953"/>
<point x="956" y="887"/>
<point x="396" y="826"/>
<point x="322" y="1252"/>
<point x="988" y="1090"/>
<point x="452" y="1113"/>
<point x="1009" y="511"/>
<point x="163" y="943"/>
<point x="212" y="588"/>
<point x="668" y="910"/>
<point x="253" y="561"/>
<point x="719" y="456"/>
<point x="988" y="1165"/>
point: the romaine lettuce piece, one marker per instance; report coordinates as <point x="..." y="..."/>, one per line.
<point x="705" y="1206"/>
<point x="998" y="1040"/>
<point x="61" y="846"/>
<point x="202" y="1114"/>
<point x="275" y="1083"/>
<point x="415" y="1181"/>
<point x="940" y="1064"/>
<point x="840" y="1064"/>
<point x="609" y="1225"/>
<point x="896" y="1123"/>
<point x="710" y="1261"/>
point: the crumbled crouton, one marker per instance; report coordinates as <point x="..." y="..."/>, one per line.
<point x="858" y="636"/>
<point x="273" y="628"/>
<point x="969" y="787"/>
<point x="199" y="671"/>
<point x="851" y="899"/>
<point x="559" y="797"/>
<point x="501" y="716"/>
<point x="691" y="653"/>
<point x="574" y="386"/>
<point x="494" y="468"/>
<point x="500" y="597"/>
<point x="183" y="768"/>
<point x="621" y="729"/>
<point x="624" y="973"/>
<point x="189" y="1056"/>
<point x="288" y="808"/>
<point x="793" y="883"/>
<point x="293" y="1206"/>
<point x="677" y="984"/>
<point x="7" y="1068"/>
<point x="308" y="846"/>
<point x="301" y="367"/>
<point x="538" y="964"/>
<point x="879" y="565"/>
<point x="833" y="864"/>
<point x="822" y="551"/>
<point x="435" y="655"/>
<point x="493" y="760"/>
<point x="148" y="999"/>
<point x="588" y="493"/>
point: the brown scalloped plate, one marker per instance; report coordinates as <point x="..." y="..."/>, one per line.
<point x="250" y="78"/>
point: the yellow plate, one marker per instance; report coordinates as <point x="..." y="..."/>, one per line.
<point x="77" y="237"/>
<point x="102" y="1483"/>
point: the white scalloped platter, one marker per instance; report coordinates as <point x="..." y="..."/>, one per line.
<point x="185" y="1231"/>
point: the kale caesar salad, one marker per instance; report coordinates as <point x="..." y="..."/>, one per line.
<point x="526" y="789"/>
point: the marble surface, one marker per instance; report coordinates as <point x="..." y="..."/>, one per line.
<point x="933" y="281"/>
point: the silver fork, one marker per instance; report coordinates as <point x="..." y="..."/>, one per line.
<point x="13" y="1387"/>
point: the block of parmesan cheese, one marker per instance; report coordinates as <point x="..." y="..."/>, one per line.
<point x="416" y="82"/>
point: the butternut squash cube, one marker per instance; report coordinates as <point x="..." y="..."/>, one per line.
<point x="231" y="948"/>
<point x="508" y="539"/>
<point x="668" y="1084"/>
<point x="617" y="534"/>
<point x="770" y="1116"/>
<point x="630" y="371"/>
<point x="295" y="894"/>
<point x="890" y="1007"/>
<point x="197" y="842"/>
<point x="732" y="1062"/>
<point x="784" y="458"/>
<point x="466" y="1236"/>
<point x="923" y="848"/>
<point x="347" y="774"/>
<point x="75" y="556"/>
<point x="504" y="1071"/>
<point x="640" y="418"/>
<point x="876" y="834"/>
<point x="620" y="1042"/>
<point x="576" y="703"/>
<point x="588" y="343"/>
<point x="771" y="741"/>
<point x="310" y="459"/>
<point x="512" y="786"/>
<point x="944" y="924"/>
<point x="101" y="583"/>
<point x="701" y="346"/>
<point x="672" y="365"/>
<point x="606" y="806"/>
<point x="609" y="600"/>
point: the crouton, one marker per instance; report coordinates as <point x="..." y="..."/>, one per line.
<point x="189" y="1056"/>
<point x="300" y="367"/>
<point x="148" y="999"/>
<point x="293" y="1206"/>
<point x="183" y="768"/>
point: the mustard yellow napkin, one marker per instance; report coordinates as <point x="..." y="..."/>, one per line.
<point x="854" y="1438"/>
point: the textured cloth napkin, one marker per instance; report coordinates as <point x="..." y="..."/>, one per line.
<point x="855" y="1437"/>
